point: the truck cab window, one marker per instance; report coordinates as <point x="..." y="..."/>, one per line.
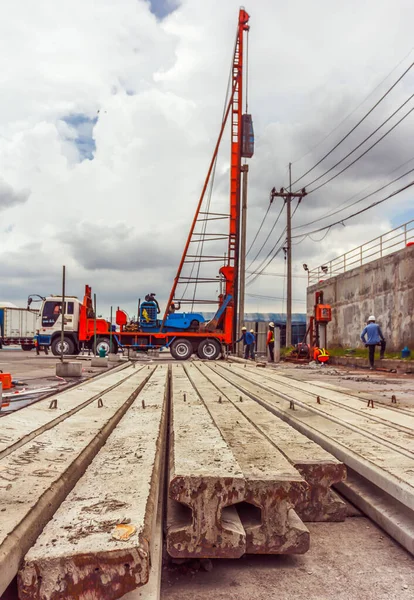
<point x="51" y="313"/>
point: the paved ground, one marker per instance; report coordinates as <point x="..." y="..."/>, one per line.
<point x="36" y="372"/>
<point x="347" y="561"/>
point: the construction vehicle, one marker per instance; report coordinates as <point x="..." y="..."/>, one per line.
<point x="182" y="332"/>
<point x="17" y="327"/>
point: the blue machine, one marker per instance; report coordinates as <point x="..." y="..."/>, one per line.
<point x="150" y="323"/>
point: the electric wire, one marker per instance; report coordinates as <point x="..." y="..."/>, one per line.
<point x="356" y="125"/>
<point x="341" y="221"/>
<point x="335" y="212"/>
<point x="318" y="187"/>
<point x="355" y="109"/>
<point x="360" y="144"/>
<point x="268" y="235"/>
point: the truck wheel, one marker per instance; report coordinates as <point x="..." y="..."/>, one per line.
<point x="181" y="349"/>
<point x="27" y="347"/>
<point x="68" y="346"/>
<point x="103" y="342"/>
<point x="208" y="349"/>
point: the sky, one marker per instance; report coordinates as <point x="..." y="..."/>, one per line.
<point x="109" y="113"/>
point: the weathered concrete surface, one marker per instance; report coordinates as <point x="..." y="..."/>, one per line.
<point x="395" y="518"/>
<point x="36" y="478"/>
<point x="319" y="468"/>
<point x="97" y="361"/>
<point x="394" y="419"/>
<point x="76" y="555"/>
<point x="205" y="480"/>
<point x="69" y="369"/>
<point x="399" y="366"/>
<point x="23" y="426"/>
<point x="272" y="483"/>
<point x="383" y="288"/>
<point x="382" y="457"/>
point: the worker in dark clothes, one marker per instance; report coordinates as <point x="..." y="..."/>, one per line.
<point x="270" y="342"/>
<point x="253" y="344"/>
<point x="373" y="338"/>
<point x="248" y="342"/>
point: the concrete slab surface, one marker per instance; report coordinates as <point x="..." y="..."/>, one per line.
<point x="205" y="480"/>
<point x="319" y="468"/>
<point x="76" y="556"/>
<point x="22" y="426"/>
<point x="35" y="478"/>
<point x="272" y="484"/>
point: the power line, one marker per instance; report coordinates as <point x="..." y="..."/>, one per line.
<point x="355" y="109"/>
<point x="335" y="212"/>
<point x="259" y="230"/>
<point x="361" y="144"/>
<point x="357" y="125"/>
<point x="363" y="154"/>
<point x="357" y="213"/>
<point x="268" y="235"/>
<point x="272" y="297"/>
<point x="280" y="275"/>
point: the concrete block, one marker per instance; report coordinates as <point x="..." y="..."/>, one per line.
<point x="114" y="358"/>
<point x="69" y="369"/>
<point x="73" y="558"/>
<point x="99" y="362"/>
<point x="273" y="485"/>
<point x="204" y="481"/>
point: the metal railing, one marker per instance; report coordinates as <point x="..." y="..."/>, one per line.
<point x="389" y="242"/>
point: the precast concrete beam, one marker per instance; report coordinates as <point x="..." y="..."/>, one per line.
<point x="24" y="425"/>
<point x="36" y="478"/>
<point x="204" y="482"/>
<point x="78" y="554"/>
<point x="273" y="485"/>
<point x="382" y="455"/>
<point x="320" y="469"/>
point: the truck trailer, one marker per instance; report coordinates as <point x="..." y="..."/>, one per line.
<point x="18" y="327"/>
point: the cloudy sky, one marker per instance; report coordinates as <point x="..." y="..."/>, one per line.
<point x="109" y="113"/>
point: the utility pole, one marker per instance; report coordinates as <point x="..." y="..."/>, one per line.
<point x="242" y="260"/>
<point x="287" y="196"/>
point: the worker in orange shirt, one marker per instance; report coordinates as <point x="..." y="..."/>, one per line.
<point x="270" y="341"/>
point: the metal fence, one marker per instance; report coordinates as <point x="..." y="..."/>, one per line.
<point x="389" y="242"/>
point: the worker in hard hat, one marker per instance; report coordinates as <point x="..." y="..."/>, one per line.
<point x="248" y="342"/>
<point x="253" y="344"/>
<point x="270" y="342"/>
<point x="372" y="336"/>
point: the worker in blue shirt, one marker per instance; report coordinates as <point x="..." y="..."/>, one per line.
<point x="373" y="338"/>
<point x="248" y="342"/>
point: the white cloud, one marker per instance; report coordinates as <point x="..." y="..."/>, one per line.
<point x="157" y="89"/>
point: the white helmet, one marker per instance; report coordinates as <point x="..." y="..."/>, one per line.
<point x="271" y="324"/>
<point x="244" y="328"/>
<point x="371" y="318"/>
<point x="251" y="330"/>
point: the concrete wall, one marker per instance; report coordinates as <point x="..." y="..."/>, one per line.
<point x="384" y="288"/>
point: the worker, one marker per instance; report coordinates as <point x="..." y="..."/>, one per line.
<point x="374" y="337"/>
<point x="253" y="344"/>
<point x="151" y="298"/>
<point x="270" y="341"/>
<point x="320" y="355"/>
<point x="248" y="342"/>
